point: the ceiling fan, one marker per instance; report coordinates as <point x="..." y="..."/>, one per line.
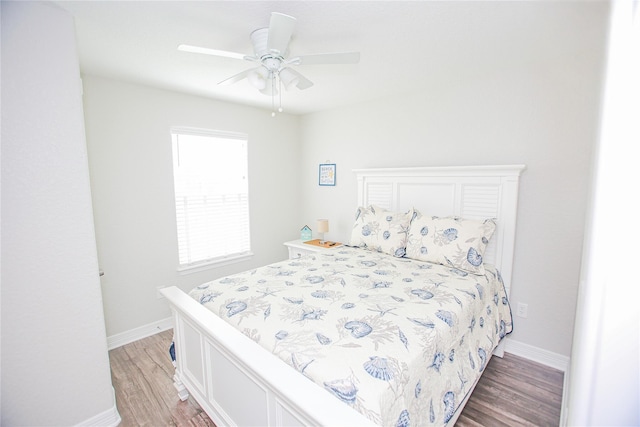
<point x="274" y="67"/>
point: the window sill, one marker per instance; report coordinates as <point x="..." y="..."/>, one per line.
<point x="214" y="263"/>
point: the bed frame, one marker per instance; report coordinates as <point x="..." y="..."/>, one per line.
<point x="237" y="382"/>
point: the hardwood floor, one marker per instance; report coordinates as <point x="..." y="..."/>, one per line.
<point x="142" y="375"/>
<point x="512" y="392"/>
<point x="515" y="392"/>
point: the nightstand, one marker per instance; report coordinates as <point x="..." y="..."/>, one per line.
<point x="298" y="248"/>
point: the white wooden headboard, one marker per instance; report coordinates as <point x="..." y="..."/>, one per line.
<point x="475" y="192"/>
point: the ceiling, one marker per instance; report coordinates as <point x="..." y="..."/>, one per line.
<point x="403" y="45"/>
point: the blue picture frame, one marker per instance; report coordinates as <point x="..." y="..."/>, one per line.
<point x="327" y="174"/>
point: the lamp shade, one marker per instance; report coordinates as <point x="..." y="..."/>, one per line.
<point x="288" y="78"/>
<point x="323" y="225"/>
<point x="259" y="78"/>
<point x="270" y="87"/>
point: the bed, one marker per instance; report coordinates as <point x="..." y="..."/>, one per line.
<point x="394" y="331"/>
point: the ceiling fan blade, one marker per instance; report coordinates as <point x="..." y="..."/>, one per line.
<point x="237" y="77"/>
<point x="327" y="58"/>
<point x="214" y="52"/>
<point x="303" y="82"/>
<point x="280" y="30"/>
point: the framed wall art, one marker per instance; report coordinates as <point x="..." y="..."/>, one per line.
<point x="327" y="174"/>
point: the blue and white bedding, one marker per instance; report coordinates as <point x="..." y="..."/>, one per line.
<point x="402" y="341"/>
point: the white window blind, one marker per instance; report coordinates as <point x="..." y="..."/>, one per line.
<point x="211" y="196"/>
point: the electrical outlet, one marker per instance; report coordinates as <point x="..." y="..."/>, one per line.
<point x="522" y="310"/>
<point x="158" y="294"/>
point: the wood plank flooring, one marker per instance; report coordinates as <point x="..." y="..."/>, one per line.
<point x="512" y="392"/>
<point x="142" y="375"/>
<point x="515" y="392"/>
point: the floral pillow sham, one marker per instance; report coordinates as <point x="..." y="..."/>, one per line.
<point x="380" y="230"/>
<point x="452" y="241"/>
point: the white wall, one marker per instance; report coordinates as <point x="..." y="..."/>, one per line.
<point x="55" y="368"/>
<point x="604" y="379"/>
<point x="535" y="104"/>
<point x="533" y="98"/>
<point x="129" y="144"/>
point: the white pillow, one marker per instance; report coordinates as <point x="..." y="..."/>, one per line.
<point x="381" y="230"/>
<point x="452" y="241"/>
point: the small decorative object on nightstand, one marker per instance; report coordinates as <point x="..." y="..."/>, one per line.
<point x="305" y="233"/>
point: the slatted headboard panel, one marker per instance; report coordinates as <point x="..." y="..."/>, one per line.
<point x="475" y="192"/>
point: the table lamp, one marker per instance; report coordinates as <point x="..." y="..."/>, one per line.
<point x="323" y="227"/>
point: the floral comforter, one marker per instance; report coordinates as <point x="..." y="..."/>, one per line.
<point x="401" y="341"/>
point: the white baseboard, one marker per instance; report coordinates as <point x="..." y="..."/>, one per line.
<point x="108" y="418"/>
<point x="536" y="354"/>
<point x="118" y="340"/>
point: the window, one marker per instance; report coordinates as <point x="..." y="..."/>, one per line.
<point x="211" y="195"/>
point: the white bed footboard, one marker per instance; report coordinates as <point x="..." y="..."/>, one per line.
<point x="238" y="383"/>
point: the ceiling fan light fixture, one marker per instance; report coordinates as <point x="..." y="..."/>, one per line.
<point x="288" y="78"/>
<point x="270" y="87"/>
<point x="259" y="78"/>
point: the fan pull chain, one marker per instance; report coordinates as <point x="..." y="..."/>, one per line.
<point x="273" y="95"/>
<point x="279" y="94"/>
